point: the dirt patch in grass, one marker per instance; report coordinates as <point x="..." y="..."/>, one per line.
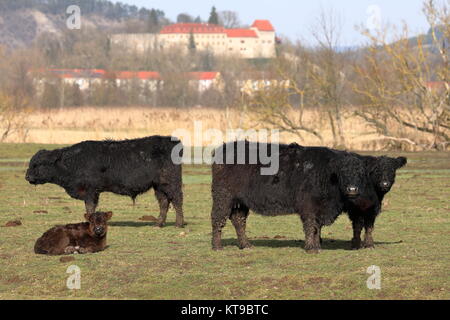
<point x="66" y="259"/>
<point x="13" y="223"/>
<point x="40" y="211"/>
<point x="148" y="218"/>
<point x="13" y="280"/>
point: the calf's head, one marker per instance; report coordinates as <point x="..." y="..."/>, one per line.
<point x="350" y="174"/>
<point x="98" y="223"/>
<point x="382" y="171"/>
<point x="43" y="167"/>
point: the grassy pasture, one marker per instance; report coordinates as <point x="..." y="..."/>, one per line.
<point x="412" y="239"/>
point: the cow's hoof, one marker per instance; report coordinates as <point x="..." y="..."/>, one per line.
<point x="178" y="225"/>
<point x="82" y="250"/>
<point x="356" y="244"/>
<point x="217" y="248"/>
<point x="246" y="247"/>
<point x="369" y="246"/>
<point x="160" y="224"/>
<point x="312" y="251"/>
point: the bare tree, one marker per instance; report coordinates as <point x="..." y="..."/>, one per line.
<point x="229" y="19"/>
<point x="327" y="72"/>
<point x="185" y="18"/>
<point x="404" y="85"/>
<point x="316" y="79"/>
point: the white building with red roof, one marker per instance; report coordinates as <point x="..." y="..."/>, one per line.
<point x="258" y="41"/>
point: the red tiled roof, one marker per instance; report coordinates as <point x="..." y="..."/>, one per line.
<point x="192" y="27"/>
<point x="436" y="84"/>
<point x="263" y="25"/>
<point x="100" y="73"/>
<point x="202" y="75"/>
<point x="72" y="73"/>
<point x="241" y="33"/>
<point x="136" y="75"/>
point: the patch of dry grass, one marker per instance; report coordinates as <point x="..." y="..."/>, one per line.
<point x="68" y="126"/>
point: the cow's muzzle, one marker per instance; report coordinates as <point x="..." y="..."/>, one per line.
<point x="352" y="191"/>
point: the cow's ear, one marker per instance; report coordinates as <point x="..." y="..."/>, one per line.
<point x="400" y="162"/>
<point x="87" y="216"/>
<point x="108" y="215"/>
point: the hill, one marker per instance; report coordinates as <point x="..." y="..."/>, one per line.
<point x="23" y="21"/>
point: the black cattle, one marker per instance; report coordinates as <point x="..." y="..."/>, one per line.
<point x="313" y="182"/>
<point x="129" y="167"/>
<point x="362" y="211"/>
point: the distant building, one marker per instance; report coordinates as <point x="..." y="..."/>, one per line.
<point x="145" y="83"/>
<point x="258" y="41"/>
<point x="151" y="80"/>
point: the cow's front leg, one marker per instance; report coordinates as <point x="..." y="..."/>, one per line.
<point x="71" y="250"/>
<point x="369" y="223"/>
<point x="91" y="202"/>
<point x="83" y="250"/>
<point x="357" y="224"/>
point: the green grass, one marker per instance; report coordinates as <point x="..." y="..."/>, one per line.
<point x="412" y="238"/>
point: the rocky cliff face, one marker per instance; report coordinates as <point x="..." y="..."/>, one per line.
<point x="20" y="28"/>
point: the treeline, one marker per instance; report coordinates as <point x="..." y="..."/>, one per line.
<point x="108" y="9"/>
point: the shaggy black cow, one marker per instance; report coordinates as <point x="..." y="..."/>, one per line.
<point x="129" y="167"/>
<point x="313" y="182"/>
<point x="363" y="211"/>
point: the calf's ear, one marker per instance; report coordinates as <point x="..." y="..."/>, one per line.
<point x="401" y="161"/>
<point x="108" y="215"/>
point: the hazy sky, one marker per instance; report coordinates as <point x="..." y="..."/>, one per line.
<point x="295" y="18"/>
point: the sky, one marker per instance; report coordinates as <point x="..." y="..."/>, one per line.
<point x="296" y="18"/>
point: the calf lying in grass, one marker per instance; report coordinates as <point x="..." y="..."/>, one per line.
<point x="84" y="237"/>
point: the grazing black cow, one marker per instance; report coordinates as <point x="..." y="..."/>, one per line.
<point x="362" y="211"/>
<point x="313" y="182"/>
<point x="129" y="167"/>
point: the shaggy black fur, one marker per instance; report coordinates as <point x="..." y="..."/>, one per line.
<point x="129" y="167"/>
<point x="313" y="182"/>
<point x="364" y="210"/>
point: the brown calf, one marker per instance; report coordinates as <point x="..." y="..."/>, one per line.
<point x="84" y="237"/>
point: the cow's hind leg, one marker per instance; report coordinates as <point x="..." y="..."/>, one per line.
<point x="312" y="234"/>
<point x="239" y="219"/>
<point x="221" y="211"/>
<point x="163" y="201"/>
<point x="177" y="202"/>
